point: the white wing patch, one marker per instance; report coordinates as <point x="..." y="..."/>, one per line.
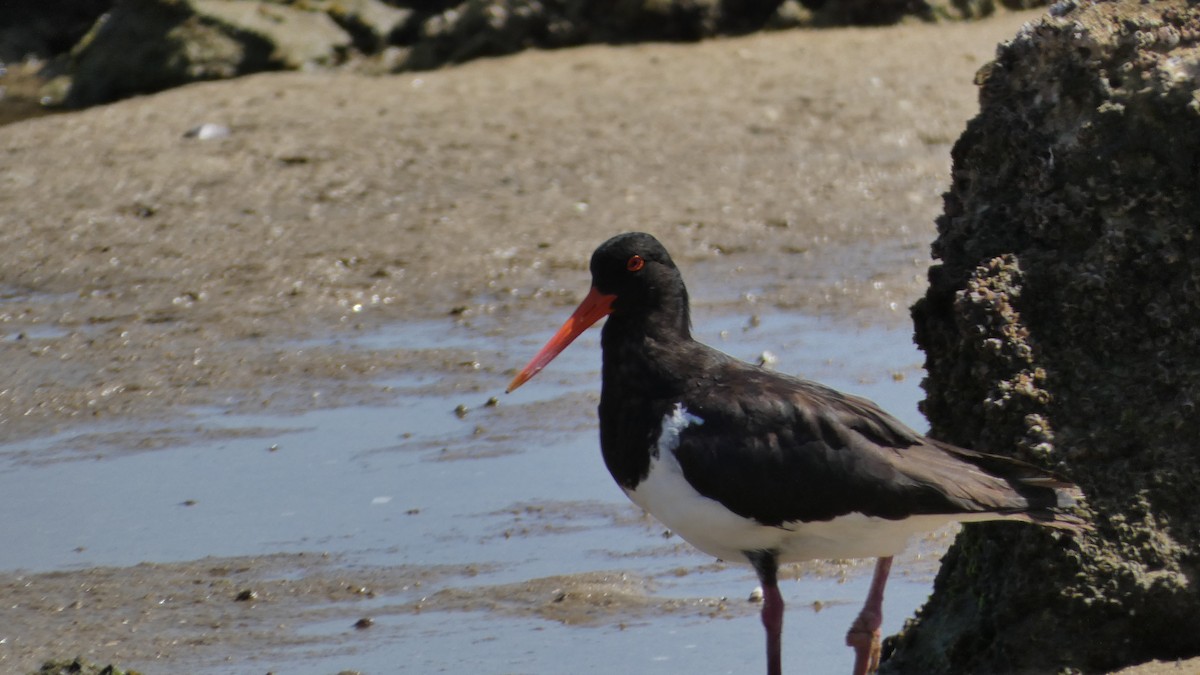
<point x="673" y="425"/>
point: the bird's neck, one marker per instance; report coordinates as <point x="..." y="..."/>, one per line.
<point x="644" y="375"/>
<point x="641" y="381"/>
<point x="637" y="344"/>
<point x="665" y="318"/>
<point x="642" y="357"/>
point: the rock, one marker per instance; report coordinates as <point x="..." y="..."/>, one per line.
<point x="884" y="12"/>
<point x="78" y="666"/>
<point x="144" y="46"/>
<point x="300" y="37"/>
<point x="456" y="32"/>
<point x="1061" y="326"/>
<point x="462" y="31"/>
<point x="867" y="12"/>
<point x="44" y="28"/>
<point x="486" y="28"/>
<point x="372" y="24"/>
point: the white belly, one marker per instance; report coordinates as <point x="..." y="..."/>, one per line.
<point x="706" y="524"/>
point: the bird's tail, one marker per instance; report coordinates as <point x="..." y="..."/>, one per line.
<point x="1063" y="513"/>
<point x="1049" y="499"/>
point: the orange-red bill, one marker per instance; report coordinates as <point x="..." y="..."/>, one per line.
<point x="594" y="307"/>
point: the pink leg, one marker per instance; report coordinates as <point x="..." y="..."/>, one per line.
<point x="772" y="612"/>
<point x="772" y="618"/>
<point x="864" y="632"/>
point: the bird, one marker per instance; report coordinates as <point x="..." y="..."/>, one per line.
<point x="759" y="467"/>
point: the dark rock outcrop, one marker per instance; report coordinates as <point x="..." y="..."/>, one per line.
<point x="43" y="28"/>
<point x="456" y="31"/>
<point x="1062" y="326"/>
<point x="142" y="46"/>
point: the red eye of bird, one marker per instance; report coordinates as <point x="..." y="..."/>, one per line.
<point x="635" y="263"/>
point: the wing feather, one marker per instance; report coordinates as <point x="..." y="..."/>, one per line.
<point x="811" y="453"/>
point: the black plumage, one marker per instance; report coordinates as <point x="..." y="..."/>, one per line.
<point x="773" y="448"/>
<point x="763" y="468"/>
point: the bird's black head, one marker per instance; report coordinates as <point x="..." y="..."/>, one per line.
<point x="634" y="283"/>
<point x="637" y="269"/>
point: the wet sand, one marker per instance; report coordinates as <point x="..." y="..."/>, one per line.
<point x="147" y="270"/>
<point x="147" y="273"/>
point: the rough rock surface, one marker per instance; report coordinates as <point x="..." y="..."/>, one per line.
<point x="1062" y="325"/>
<point x="143" y="46"/>
<point x="79" y="666"/>
<point x="43" y="28"/>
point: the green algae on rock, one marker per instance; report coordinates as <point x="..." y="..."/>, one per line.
<point x="1062" y="325"/>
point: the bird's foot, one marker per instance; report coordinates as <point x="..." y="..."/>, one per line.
<point x="864" y="637"/>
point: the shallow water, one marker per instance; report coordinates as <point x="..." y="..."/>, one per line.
<point x="517" y="488"/>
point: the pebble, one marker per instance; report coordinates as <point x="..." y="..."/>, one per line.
<point x="208" y="131"/>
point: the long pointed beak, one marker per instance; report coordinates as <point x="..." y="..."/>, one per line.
<point x="594" y="307"/>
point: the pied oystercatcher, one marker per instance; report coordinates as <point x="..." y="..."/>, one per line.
<point x="754" y="466"/>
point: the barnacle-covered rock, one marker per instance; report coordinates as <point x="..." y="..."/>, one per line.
<point x="1061" y="326"/>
